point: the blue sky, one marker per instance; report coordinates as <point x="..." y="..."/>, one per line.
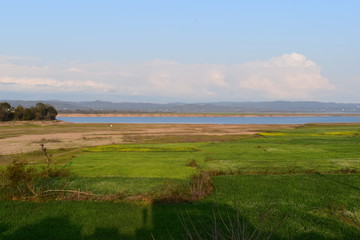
<point x="190" y="51"/>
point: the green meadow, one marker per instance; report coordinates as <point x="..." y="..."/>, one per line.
<point x="301" y="183"/>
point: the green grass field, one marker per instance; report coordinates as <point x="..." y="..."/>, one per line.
<point x="301" y="183"/>
<point x="295" y="206"/>
<point x="316" y="206"/>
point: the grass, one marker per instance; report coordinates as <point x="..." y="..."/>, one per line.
<point x="293" y="151"/>
<point x="314" y="206"/>
<point x="183" y="138"/>
<point x="60" y="156"/>
<point x="298" y="207"/>
<point x="70" y="220"/>
<point x="129" y="148"/>
<point x="281" y="152"/>
<point x="126" y="186"/>
<point x="12" y="129"/>
<point x="133" y="164"/>
<point x="268" y="186"/>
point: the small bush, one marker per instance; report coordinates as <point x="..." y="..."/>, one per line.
<point x="201" y="185"/>
<point x="17" y="181"/>
<point x="20" y="181"/>
<point x="197" y="188"/>
<point x="171" y="192"/>
<point x="192" y="163"/>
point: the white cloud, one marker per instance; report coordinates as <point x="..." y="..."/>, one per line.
<point x="37" y="84"/>
<point x="291" y="60"/>
<point x="286" y="77"/>
<point x="4" y="58"/>
<point x="77" y="70"/>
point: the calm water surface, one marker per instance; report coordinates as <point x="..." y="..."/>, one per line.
<point x="215" y="120"/>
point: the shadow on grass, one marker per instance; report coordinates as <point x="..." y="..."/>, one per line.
<point x="159" y="221"/>
<point x="55" y="228"/>
<point x="3" y="228"/>
<point x="60" y="228"/>
<point x="200" y="221"/>
<point x="176" y="221"/>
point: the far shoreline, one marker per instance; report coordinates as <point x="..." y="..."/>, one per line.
<point x="205" y="114"/>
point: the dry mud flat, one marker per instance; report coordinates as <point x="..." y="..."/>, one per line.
<point x="22" y="137"/>
<point x="202" y="115"/>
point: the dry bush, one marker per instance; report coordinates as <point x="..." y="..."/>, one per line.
<point x="17" y="181"/>
<point x="171" y="192"/>
<point x="192" y="163"/>
<point x="20" y="181"/>
<point x="199" y="186"/>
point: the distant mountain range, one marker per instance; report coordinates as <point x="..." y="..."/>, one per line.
<point x="214" y="107"/>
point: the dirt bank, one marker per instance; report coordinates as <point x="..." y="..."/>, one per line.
<point x="199" y="115"/>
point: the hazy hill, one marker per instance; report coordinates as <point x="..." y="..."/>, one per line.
<point x="215" y="107"/>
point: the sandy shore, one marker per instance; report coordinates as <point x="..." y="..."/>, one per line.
<point x="199" y="115"/>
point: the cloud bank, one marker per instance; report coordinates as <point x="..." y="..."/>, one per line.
<point x="286" y="77"/>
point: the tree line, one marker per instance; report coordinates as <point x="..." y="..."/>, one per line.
<point x="41" y="111"/>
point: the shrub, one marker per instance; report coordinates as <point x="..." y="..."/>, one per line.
<point x="17" y="181"/>
<point x="201" y="185"/>
<point x="171" y="192"/>
<point x="197" y="188"/>
<point x="192" y="163"/>
<point x="20" y="181"/>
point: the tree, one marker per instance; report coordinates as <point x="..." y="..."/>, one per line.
<point x="19" y="113"/>
<point x="51" y="113"/>
<point x="41" y="111"/>
<point x="29" y="114"/>
<point x="5" y="111"/>
<point x="45" y="112"/>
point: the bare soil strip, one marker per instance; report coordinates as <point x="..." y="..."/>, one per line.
<point x="22" y="137"/>
<point x="203" y="114"/>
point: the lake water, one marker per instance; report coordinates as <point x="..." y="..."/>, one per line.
<point x="215" y="120"/>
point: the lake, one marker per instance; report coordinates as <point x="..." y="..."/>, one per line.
<point x="215" y="120"/>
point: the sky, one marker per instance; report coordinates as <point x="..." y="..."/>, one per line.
<point x="180" y="51"/>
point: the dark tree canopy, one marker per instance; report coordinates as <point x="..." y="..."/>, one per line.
<point x="5" y="112"/>
<point x="41" y="111"/>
